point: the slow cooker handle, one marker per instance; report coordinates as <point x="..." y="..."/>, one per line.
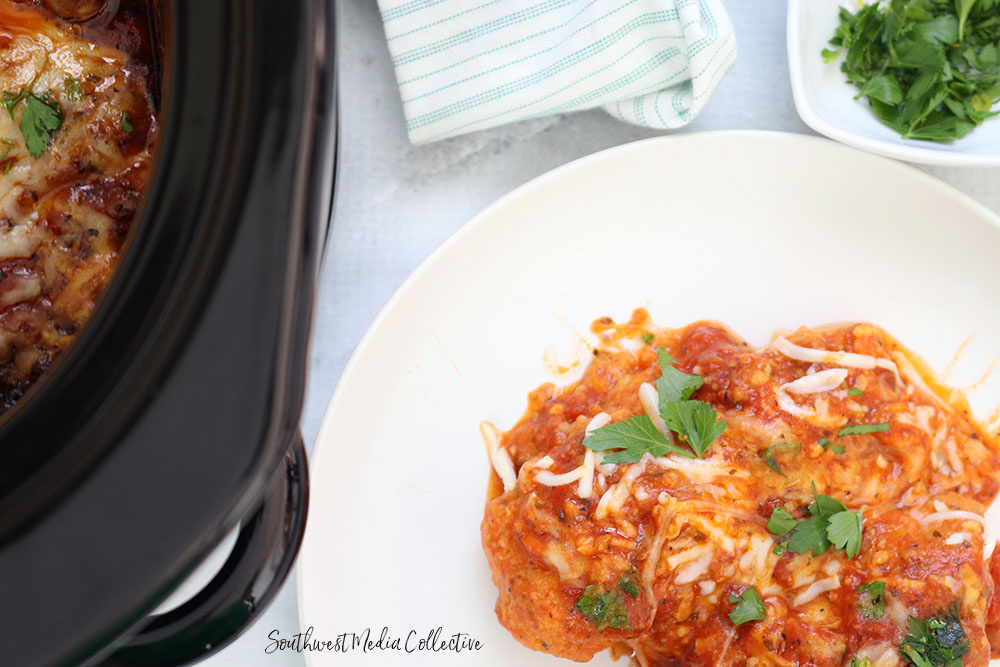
<point x="263" y="554"/>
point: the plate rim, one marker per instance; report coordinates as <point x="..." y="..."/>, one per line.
<point x="811" y="118"/>
<point x="361" y="348"/>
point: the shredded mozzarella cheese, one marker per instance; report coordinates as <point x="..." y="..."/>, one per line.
<point x="650" y="400"/>
<point x="815" y="589"/>
<point x="498" y="456"/>
<point x="584" y="473"/>
<point x="848" y="359"/>
<point x="693" y="570"/>
<point x="817" y="382"/>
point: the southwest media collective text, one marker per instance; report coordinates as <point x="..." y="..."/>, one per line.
<point x="364" y="641"/>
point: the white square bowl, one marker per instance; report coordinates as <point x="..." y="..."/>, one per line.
<point x="825" y="100"/>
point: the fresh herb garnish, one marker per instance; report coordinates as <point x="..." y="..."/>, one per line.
<point x="605" y="609"/>
<point x="749" y="607"/>
<point x="41" y="117"/>
<point x="10" y="100"/>
<point x="781" y="522"/>
<point x="634" y="437"/>
<point x="938" y="641"/>
<point x="861" y="429"/>
<point x="844" y="530"/>
<point x="826" y="444"/>
<point x="627" y="584"/>
<point x="674" y="385"/>
<point x="861" y="661"/>
<point x="770" y="454"/>
<point x="126" y="122"/>
<point x="647" y="338"/>
<point x="831" y="524"/>
<point x="694" y="422"/>
<point x="854" y="391"/>
<point x="871" y="598"/>
<point x="929" y="68"/>
<point x="74" y="93"/>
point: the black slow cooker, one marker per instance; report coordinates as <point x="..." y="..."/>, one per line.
<point x="174" y="415"/>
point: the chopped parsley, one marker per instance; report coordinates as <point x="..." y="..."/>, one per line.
<point x="674" y="385"/>
<point x="633" y="437"/>
<point x="770" y="454"/>
<point x="781" y="522"/>
<point x="126" y="122"/>
<point x="871" y="598"/>
<point x="861" y="429"/>
<point x="929" y="68"/>
<point x="647" y="338"/>
<point x="74" y="93"/>
<point x="10" y="100"/>
<point x="749" y="607"/>
<point x="826" y="444"/>
<point x="695" y="422"/>
<point x="627" y="584"/>
<point x="41" y="117"/>
<point x="854" y="391"/>
<point x="938" y="641"/>
<point x="861" y="661"/>
<point x="605" y="609"/>
<point x="831" y="524"/>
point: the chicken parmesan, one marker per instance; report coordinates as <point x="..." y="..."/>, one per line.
<point x="77" y="130"/>
<point x="692" y="500"/>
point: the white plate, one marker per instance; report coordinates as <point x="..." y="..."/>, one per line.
<point x="758" y="230"/>
<point x="825" y="100"/>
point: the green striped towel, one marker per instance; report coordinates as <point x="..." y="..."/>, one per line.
<point x="465" y="65"/>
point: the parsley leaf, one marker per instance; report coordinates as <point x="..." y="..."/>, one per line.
<point x="10" y="100"/>
<point x="40" y="119"/>
<point x="938" y="641"/>
<point x="831" y="524"/>
<point x="854" y="391"/>
<point x="927" y="67"/>
<point x="674" y="385"/>
<point x="695" y="423"/>
<point x="781" y="522"/>
<point x="825" y="444"/>
<point x="844" y="531"/>
<point x="770" y="454"/>
<point x="860" y="429"/>
<point x="628" y="585"/>
<point x="126" y="122"/>
<point x="604" y="609"/>
<point x="633" y="437"/>
<point x="647" y="338"/>
<point x="862" y="661"/>
<point x="749" y="607"/>
<point x="871" y="598"/>
<point x="73" y="90"/>
<point x="809" y="535"/>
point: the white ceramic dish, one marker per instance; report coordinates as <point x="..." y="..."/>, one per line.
<point x="758" y="230"/>
<point x="825" y="100"/>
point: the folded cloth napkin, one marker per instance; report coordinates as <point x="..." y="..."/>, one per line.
<point x="465" y="65"/>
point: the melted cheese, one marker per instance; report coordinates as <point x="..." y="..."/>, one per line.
<point x="650" y="400"/>
<point x="498" y="456"/>
<point x="840" y="358"/>
<point x="817" y="382"/>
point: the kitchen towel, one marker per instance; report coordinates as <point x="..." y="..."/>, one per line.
<point x="466" y="65"/>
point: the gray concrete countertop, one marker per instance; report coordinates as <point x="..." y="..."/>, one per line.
<point x="396" y="202"/>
